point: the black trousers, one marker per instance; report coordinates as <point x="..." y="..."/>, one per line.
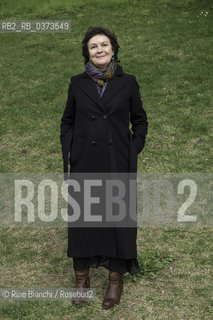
<point x="112" y="264"/>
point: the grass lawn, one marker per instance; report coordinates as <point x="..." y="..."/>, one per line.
<point x="167" y="45"/>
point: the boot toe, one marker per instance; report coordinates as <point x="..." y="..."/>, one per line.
<point x="108" y="303"/>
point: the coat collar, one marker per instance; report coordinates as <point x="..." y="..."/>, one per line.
<point x="113" y="87"/>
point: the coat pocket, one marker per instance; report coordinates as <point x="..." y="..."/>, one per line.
<point x="133" y="156"/>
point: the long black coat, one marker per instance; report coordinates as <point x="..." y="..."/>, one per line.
<point x="95" y="137"/>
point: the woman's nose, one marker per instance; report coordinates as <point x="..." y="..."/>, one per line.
<point x="100" y="49"/>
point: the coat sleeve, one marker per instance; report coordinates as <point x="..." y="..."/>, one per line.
<point x="67" y="125"/>
<point x="138" y="117"/>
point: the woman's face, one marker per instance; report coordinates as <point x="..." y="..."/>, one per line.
<point x="100" y="50"/>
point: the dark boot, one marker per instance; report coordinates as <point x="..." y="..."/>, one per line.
<point x="81" y="281"/>
<point x="114" y="291"/>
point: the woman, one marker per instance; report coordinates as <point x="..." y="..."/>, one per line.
<point x="95" y="136"/>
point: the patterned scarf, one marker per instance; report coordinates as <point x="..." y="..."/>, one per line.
<point x="101" y="76"/>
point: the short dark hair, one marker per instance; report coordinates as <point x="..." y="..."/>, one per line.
<point x="92" y="31"/>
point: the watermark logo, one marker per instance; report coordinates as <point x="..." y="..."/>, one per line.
<point x="106" y="200"/>
<point x="35" y="26"/>
<point x="62" y="294"/>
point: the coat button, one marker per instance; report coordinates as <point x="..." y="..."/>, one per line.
<point x="105" y="116"/>
<point x="93" y="142"/>
<point x="110" y="142"/>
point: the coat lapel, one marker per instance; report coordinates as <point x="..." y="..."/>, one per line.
<point x="89" y="87"/>
<point x="114" y="85"/>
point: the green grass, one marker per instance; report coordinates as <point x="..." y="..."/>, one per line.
<point x="167" y="45"/>
<point x="176" y="276"/>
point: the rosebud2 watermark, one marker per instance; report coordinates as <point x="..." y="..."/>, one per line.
<point x="47" y="294"/>
<point x="106" y="200"/>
